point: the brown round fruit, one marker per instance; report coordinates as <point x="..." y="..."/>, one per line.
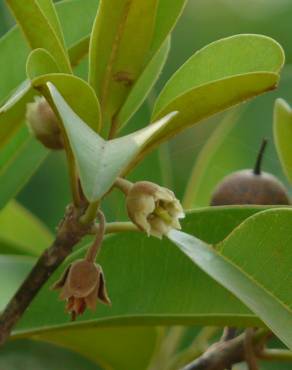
<point x="251" y="186"/>
<point x="246" y="187"/>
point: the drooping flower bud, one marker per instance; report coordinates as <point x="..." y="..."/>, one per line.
<point x="153" y="208"/>
<point x="82" y="284"/>
<point x="43" y="123"/>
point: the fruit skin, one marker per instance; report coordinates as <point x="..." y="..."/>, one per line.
<point x="246" y="187"/>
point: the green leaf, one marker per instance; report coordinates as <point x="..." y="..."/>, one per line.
<point x="19" y="159"/>
<point x="40" y="62"/>
<point x="23" y="231"/>
<point x="32" y="355"/>
<point x="283" y="135"/>
<point x="30" y="17"/>
<point x="99" y="161"/>
<point x="125" y="352"/>
<point x="14" y="52"/>
<point x="13" y="270"/>
<point x="151" y="282"/>
<point x="48" y="9"/>
<point x="168" y="12"/>
<point x="120" y="41"/>
<point x="124" y="39"/>
<point x="246" y="266"/>
<point x="12" y="113"/>
<point x="77" y="93"/>
<point x="222" y="74"/>
<point x="143" y="85"/>
<point x="209" y="150"/>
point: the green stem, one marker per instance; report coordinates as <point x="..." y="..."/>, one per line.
<point x="123" y="184"/>
<point x="115" y="227"/>
<point x="95" y="247"/>
<point x="276" y="355"/>
<point x="90" y="214"/>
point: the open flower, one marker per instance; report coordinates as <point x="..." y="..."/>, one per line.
<point x="82" y="284"/>
<point x="43" y="123"/>
<point x="154" y="209"/>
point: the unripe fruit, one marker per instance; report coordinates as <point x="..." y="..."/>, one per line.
<point x="251" y="186"/>
<point x="43" y="124"/>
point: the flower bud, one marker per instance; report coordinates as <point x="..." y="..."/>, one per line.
<point x="82" y="284"/>
<point x="154" y="209"/>
<point x="43" y="123"/>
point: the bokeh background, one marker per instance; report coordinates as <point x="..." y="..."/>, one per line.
<point x="203" y="21"/>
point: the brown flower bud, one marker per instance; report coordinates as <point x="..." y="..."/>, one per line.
<point x="43" y="124"/>
<point x="153" y="208"/>
<point x="82" y="284"/>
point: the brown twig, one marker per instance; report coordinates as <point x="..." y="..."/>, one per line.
<point x="228" y="334"/>
<point x="250" y="356"/>
<point x="224" y="354"/>
<point x="69" y="233"/>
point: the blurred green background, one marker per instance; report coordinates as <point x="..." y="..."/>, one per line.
<point x="202" y="22"/>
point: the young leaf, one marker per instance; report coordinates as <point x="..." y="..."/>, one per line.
<point x="246" y="266"/>
<point x="48" y="9"/>
<point x="22" y="230"/>
<point x="120" y="41"/>
<point x="222" y="74"/>
<point x="14" y="52"/>
<point x="38" y="30"/>
<point x="40" y="62"/>
<point x="99" y="161"/>
<point x="143" y="85"/>
<point x="77" y="93"/>
<point x="146" y="291"/>
<point x="168" y="12"/>
<point x="283" y="135"/>
<point x="119" y="53"/>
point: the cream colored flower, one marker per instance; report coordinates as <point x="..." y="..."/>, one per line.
<point x="82" y="284"/>
<point x="154" y="209"/>
<point x="43" y="123"/>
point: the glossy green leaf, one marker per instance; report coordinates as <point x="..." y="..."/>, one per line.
<point x="254" y="263"/>
<point x="151" y="282"/>
<point x="201" y="166"/>
<point x="124" y="39"/>
<point x="30" y="16"/>
<point x="168" y="12"/>
<point x="283" y="135"/>
<point x="120" y="41"/>
<point x="222" y="74"/>
<point x="143" y="85"/>
<point x="99" y="161"/>
<point x="48" y="9"/>
<point x="77" y="93"/>
<point x="32" y="355"/>
<point x="19" y="159"/>
<point x="40" y="62"/>
<point x="22" y="230"/>
<point x="114" y="347"/>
